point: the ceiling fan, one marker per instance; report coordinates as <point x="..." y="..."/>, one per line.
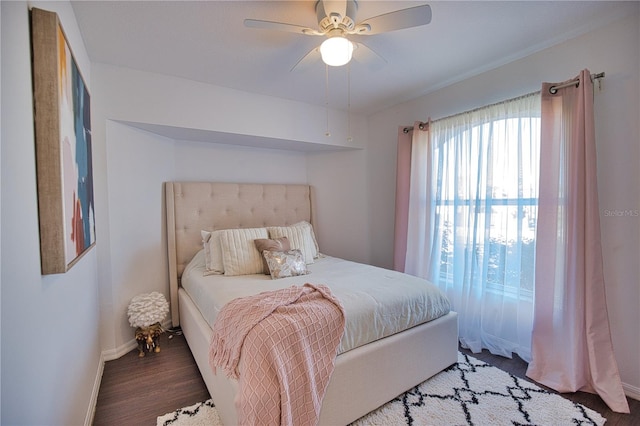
<point x="337" y="20"/>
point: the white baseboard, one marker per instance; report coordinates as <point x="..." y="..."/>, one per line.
<point x="91" y="412"/>
<point x="631" y="391"/>
<point x="115" y="353"/>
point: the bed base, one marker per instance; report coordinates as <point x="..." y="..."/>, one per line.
<point x="364" y="378"/>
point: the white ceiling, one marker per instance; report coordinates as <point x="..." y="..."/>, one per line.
<point x="206" y="41"/>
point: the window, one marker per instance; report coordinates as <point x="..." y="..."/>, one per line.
<point x="489" y="188"/>
<point x="473" y="205"/>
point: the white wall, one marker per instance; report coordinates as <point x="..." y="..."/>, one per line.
<point x="50" y="346"/>
<point x="138" y="164"/>
<point x="342" y="223"/>
<point x="613" y="49"/>
<point x="224" y="162"/>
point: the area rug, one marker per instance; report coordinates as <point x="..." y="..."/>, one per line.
<point x="470" y="392"/>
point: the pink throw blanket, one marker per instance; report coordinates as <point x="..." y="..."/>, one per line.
<point x="288" y="340"/>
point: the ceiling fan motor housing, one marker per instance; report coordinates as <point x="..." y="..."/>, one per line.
<point x="329" y="19"/>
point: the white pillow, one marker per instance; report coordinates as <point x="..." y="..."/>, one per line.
<point x="307" y="230"/>
<point x="212" y="253"/>
<point x="239" y="253"/>
<point x="305" y="224"/>
<point x="300" y="237"/>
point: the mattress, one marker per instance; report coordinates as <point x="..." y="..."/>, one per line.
<point x="377" y="302"/>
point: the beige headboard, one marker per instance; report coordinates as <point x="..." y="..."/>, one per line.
<point x="195" y="206"/>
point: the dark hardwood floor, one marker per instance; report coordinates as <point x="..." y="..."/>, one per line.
<point x="134" y="391"/>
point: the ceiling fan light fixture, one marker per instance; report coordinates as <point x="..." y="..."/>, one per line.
<point x="336" y="51"/>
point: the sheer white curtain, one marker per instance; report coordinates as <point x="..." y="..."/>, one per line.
<point x="472" y="217"/>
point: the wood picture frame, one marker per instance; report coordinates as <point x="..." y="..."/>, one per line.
<point x="62" y="123"/>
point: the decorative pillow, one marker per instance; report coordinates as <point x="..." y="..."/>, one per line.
<point x="300" y="237"/>
<point x="279" y="244"/>
<point x="305" y="224"/>
<point x="284" y="264"/>
<point x="212" y="253"/>
<point x="239" y="253"/>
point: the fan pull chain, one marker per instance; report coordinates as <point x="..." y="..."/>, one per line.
<point x="349" y="138"/>
<point x="326" y="98"/>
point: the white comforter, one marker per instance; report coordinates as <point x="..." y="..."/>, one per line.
<point x="377" y="302"/>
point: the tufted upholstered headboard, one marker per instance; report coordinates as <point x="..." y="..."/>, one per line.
<point x="195" y="206"/>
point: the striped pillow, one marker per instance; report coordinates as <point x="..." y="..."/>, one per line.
<point x="239" y="253"/>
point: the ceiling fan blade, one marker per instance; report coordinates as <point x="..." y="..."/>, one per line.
<point x="368" y="56"/>
<point x="309" y="59"/>
<point x="279" y="26"/>
<point x="398" y="20"/>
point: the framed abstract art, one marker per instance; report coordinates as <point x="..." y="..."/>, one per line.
<point x="63" y="147"/>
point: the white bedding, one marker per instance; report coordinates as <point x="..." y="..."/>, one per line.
<point x="377" y="302"/>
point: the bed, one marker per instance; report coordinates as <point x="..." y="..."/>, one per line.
<point x="366" y="374"/>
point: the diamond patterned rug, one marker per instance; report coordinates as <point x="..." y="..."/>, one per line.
<point x="469" y="392"/>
